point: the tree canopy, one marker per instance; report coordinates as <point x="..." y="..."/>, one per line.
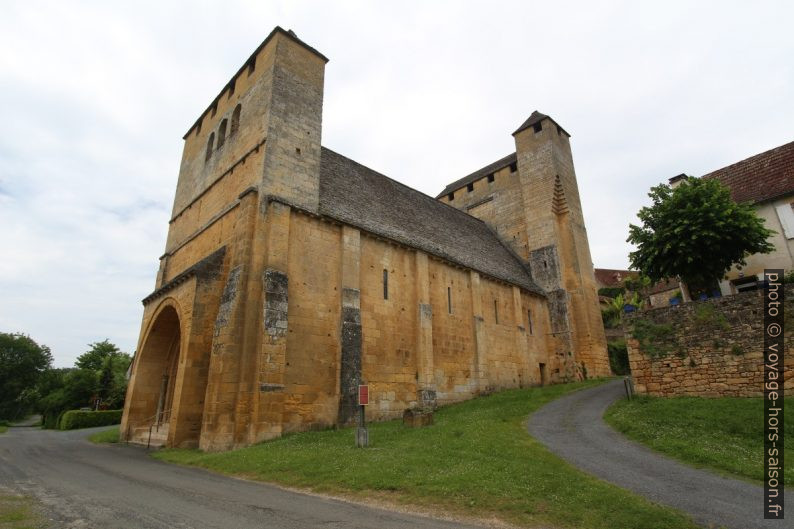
<point x="695" y="232"/>
<point x="22" y="361"/>
<point x="96" y="357"/>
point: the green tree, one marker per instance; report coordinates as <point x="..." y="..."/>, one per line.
<point x="640" y="284"/>
<point x="22" y="361"/>
<point x="95" y="357"/>
<point x="99" y="372"/>
<point x="695" y="232"/>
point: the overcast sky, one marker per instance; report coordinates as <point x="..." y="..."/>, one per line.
<point x="96" y="97"/>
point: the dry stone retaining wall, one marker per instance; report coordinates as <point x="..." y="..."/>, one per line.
<point x="711" y="348"/>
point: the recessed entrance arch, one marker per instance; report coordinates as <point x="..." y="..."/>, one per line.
<point x="151" y="398"/>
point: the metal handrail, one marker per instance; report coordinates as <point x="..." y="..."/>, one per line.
<point x="160" y="418"/>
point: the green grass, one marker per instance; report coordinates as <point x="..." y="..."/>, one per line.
<point x="17" y="512"/>
<point x="3" y="428"/>
<point x="106" y="436"/>
<point x="477" y="460"/>
<point x="724" y="434"/>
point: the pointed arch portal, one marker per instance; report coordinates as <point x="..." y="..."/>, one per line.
<point x="156" y="373"/>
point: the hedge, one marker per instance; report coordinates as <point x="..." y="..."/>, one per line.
<point x="74" y="419"/>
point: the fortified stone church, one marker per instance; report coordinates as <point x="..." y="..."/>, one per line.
<point x="291" y="274"/>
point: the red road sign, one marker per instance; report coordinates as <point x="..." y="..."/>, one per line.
<point x="363" y="395"/>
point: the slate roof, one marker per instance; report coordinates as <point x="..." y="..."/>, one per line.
<point x="358" y="196"/>
<point x="765" y="176"/>
<point x="664" y="285"/>
<point x="501" y="163"/>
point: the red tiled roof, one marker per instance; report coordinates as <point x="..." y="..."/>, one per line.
<point x="664" y="285"/>
<point x="607" y="277"/>
<point x="761" y="177"/>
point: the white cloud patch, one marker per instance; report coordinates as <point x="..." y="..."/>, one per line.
<point x="97" y="96"/>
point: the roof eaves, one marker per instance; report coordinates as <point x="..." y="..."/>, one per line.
<point x="492" y="167"/>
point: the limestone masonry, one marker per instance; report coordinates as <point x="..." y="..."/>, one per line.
<point x="292" y="274"/>
<point x="712" y="348"/>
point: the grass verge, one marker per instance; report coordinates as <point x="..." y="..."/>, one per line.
<point x="17" y="512"/>
<point x="725" y="434"/>
<point x="106" y="436"/>
<point x="3" y="428"/>
<point x="476" y="460"/>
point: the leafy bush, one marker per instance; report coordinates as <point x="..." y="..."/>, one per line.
<point x="618" y="357"/>
<point x="611" y="292"/>
<point x="654" y="338"/>
<point x="706" y="315"/>
<point x="74" y="419"/>
<point x="22" y="362"/>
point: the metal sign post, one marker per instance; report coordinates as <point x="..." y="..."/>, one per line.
<point x="362" y="435"/>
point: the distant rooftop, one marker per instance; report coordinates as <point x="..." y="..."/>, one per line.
<point x="762" y="177"/>
<point x="610" y="277"/>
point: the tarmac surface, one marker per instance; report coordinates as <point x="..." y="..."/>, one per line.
<point x="84" y="485"/>
<point x="573" y="428"/>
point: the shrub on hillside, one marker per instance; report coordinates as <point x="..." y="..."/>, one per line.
<point x="74" y="419"/>
<point x="618" y="357"/>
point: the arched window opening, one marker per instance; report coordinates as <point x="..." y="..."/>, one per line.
<point x="222" y="134"/>
<point x="210" y="146"/>
<point x="235" y="120"/>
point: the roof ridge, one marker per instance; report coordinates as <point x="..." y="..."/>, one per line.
<point x="760" y="154"/>
<point x="761" y="177"/>
<point x="424" y="195"/>
<point x="360" y="196"/>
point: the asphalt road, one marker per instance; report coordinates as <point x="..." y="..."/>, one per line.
<point x="573" y="428"/>
<point x="82" y="485"/>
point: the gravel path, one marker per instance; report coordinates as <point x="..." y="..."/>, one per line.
<point x="83" y="485"/>
<point x="573" y="428"/>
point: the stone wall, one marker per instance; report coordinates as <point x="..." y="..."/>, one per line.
<point x="534" y="206"/>
<point x="711" y="348"/>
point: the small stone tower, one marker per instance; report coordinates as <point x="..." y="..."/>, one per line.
<point x="557" y="247"/>
<point x="531" y="199"/>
